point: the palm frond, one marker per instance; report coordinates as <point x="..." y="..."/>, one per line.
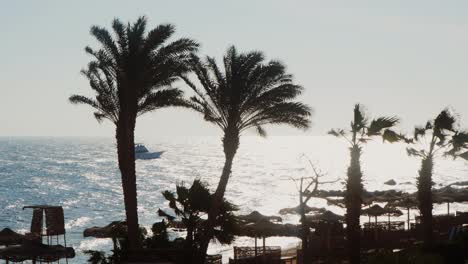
<point x="261" y="131"/>
<point x="391" y="136"/>
<point x="337" y="132"/>
<point x="360" y="119"/>
<point x="414" y="152"/>
<point x="445" y="121"/>
<point x="419" y="132"/>
<point x="377" y="125"/>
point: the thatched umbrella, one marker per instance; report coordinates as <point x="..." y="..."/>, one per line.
<point x="255" y="216"/>
<point x="327" y="217"/>
<point x="114" y="230"/>
<point x="34" y="251"/>
<point x="257" y="225"/>
<point x="296" y="210"/>
<point x="10" y="237"/>
<point x="392" y="211"/>
<point x="375" y="211"/>
<point x="449" y="195"/>
<point x="408" y="202"/>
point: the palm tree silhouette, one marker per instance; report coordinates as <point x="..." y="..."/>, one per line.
<point x="361" y="132"/>
<point x="443" y="138"/>
<point x="249" y="93"/>
<point x="132" y="74"/>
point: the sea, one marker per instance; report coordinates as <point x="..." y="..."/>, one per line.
<point x="82" y="175"/>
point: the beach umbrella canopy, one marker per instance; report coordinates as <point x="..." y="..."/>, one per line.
<point x="375" y="210"/>
<point x="112" y="230"/>
<point x="265" y="228"/>
<point x="327" y="216"/>
<point x="255" y="216"/>
<point x="392" y="211"/>
<point x="296" y="210"/>
<point x="37" y="250"/>
<point x="10" y="237"/>
<point x="408" y="202"/>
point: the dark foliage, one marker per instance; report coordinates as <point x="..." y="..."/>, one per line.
<point x="190" y="206"/>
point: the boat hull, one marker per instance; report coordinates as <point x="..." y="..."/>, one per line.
<point x="148" y="155"/>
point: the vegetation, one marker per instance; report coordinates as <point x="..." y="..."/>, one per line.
<point x="361" y="132"/>
<point x="190" y="205"/>
<point x="131" y="74"/>
<point x="443" y="138"/>
<point x="249" y="93"/>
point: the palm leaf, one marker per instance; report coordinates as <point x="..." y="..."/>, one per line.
<point x="377" y="125"/>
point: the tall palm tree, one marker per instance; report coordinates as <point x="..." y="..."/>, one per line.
<point x="441" y="137"/>
<point x="131" y="74"/>
<point x="249" y="93"/>
<point x="361" y="132"/>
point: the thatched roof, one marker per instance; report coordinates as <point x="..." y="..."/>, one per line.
<point x="375" y="210"/>
<point x="255" y="216"/>
<point x="327" y="216"/>
<point x="33" y="249"/>
<point x="10" y="237"/>
<point x="114" y="229"/>
<point x="266" y="228"/>
<point x="296" y="210"/>
<point x="392" y="211"/>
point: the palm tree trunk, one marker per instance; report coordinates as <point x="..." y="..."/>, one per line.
<point x="353" y="199"/>
<point x="126" y="157"/>
<point x="230" y="145"/>
<point x="425" y="199"/>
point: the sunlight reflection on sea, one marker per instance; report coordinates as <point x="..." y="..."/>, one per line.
<point x="81" y="174"/>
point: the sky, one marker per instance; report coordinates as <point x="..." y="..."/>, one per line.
<point x="403" y="58"/>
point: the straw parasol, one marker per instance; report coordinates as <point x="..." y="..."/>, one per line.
<point x="35" y="250"/>
<point x="257" y="225"/>
<point x="392" y="211"/>
<point x="327" y="216"/>
<point x="296" y="210"/>
<point x="112" y="230"/>
<point x="449" y="195"/>
<point x="408" y="202"/>
<point x="255" y="216"/>
<point x="375" y="211"/>
<point x="10" y="237"/>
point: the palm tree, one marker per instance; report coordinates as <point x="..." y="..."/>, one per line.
<point x="443" y="138"/>
<point x="249" y="93"/>
<point x="190" y="205"/>
<point x="361" y="132"/>
<point x="131" y="74"/>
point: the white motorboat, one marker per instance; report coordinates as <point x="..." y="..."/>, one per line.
<point x="141" y="152"/>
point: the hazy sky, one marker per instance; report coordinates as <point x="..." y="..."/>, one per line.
<point x="407" y="58"/>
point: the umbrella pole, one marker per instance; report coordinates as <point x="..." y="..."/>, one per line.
<point x="264" y="248"/>
<point x="388" y="221"/>
<point x="255" y="247"/>
<point x="408" y="219"/>
<point x="448" y="208"/>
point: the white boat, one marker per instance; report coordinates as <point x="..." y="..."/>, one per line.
<point x="141" y="152"/>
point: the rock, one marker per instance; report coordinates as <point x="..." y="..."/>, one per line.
<point x="390" y="182"/>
